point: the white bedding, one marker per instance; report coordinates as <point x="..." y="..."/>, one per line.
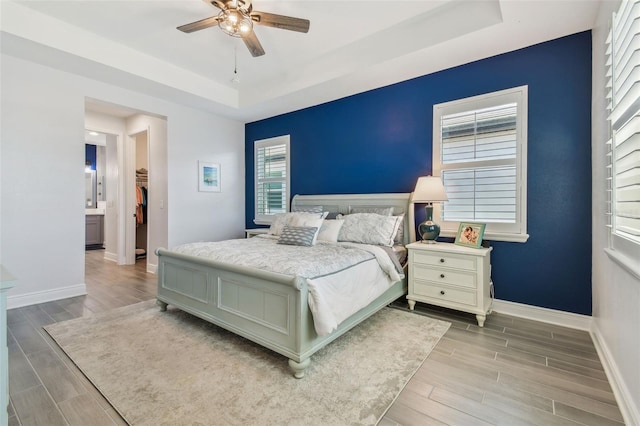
<point x="342" y="277"/>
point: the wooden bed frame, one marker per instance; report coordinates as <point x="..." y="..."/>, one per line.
<point x="268" y="308"/>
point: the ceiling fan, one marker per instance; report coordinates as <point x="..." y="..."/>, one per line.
<point x="237" y="17"/>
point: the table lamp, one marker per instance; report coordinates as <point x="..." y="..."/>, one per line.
<point x="429" y="189"/>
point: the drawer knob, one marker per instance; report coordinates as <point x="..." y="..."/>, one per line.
<point x="441" y="275"/>
<point x="441" y="260"/>
<point x="442" y="292"/>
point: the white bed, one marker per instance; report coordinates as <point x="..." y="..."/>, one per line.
<point x="287" y="308"/>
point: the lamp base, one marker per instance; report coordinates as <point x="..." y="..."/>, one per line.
<point x="429" y="242"/>
<point x="429" y="230"/>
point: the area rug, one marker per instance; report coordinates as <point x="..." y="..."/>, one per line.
<point x="171" y="368"/>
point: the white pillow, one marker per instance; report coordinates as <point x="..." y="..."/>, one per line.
<point x="330" y="230"/>
<point x="369" y="228"/>
<point x="282" y="219"/>
<point x="308" y="222"/>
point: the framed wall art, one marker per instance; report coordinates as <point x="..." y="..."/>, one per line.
<point x="208" y="177"/>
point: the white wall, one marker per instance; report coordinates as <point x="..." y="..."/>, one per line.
<point x="205" y="138"/>
<point x="42" y="175"/>
<point x="616" y="293"/>
<point x="42" y="144"/>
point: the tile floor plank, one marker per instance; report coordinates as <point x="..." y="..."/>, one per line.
<point x="407" y="416"/>
<point x="84" y="410"/>
<point x="438" y="411"/>
<point x="27" y="337"/>
<point x="484" y="412"/>
<point x="526" y="412"/>
<point x="21" y="374"/>
<point x="115" y="417"/>
<point x="57" y="378"/>
<point x="606" y="409"/>
<point x="34" y="406"/>
<point x="582" y="416"/>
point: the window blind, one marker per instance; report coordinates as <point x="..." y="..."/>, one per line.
<point x="271" y="178"/>
<point x="481" y="193"/>
<point x="484" y="134"/>
<point x="623" y="104"/>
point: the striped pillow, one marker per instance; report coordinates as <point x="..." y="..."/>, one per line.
<point x="298" y="235"/>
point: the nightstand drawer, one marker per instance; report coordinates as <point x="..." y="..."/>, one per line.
<point x="444" y="276"/>
<point x="445" y="259"/>
<point x="449" y="294"/>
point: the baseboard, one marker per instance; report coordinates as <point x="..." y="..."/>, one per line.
<point x="626" y="403"/>
<point x="113" y="257"/>
<point x="151" y="268"/>
<point x="551" y="316"/>
<point x="36" y="297"/>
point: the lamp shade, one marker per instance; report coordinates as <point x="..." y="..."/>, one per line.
<point x="429" y="189"/>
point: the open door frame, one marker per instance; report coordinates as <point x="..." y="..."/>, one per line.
<point x="130" y="194"/>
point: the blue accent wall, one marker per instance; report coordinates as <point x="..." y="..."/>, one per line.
<point x="381" y="141"/>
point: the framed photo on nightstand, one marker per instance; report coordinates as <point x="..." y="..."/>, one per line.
<point x="470" y="234"/>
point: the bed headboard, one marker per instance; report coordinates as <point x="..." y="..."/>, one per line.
<point x="340" y="203"/>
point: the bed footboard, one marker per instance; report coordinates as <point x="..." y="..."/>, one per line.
<point x="267" y="308"/>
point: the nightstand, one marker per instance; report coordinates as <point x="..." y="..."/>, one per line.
<point x="255" y="231"/>
<point x="451" y="276"/>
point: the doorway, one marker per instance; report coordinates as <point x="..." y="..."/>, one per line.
<point x="138" y="235"/>
<point x="101" y="189"/>
<point x="141" y="142"/>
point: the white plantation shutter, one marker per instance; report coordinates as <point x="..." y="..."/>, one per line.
<point x="481" y="195"/>
<point x="480" y="154"/>
<point x="623" y="148"/>
<point x="271" y="177"/>
<point x="489" y="133"/>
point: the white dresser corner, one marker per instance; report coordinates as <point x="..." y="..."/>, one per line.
<point x="7" y="281"/>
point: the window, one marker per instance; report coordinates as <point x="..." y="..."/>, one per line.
<point x="272" y="184"/>
<point x="623" y="147"/>
<point x="479" y="150"/>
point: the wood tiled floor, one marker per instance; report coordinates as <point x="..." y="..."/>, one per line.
<point x="511" y="372"/>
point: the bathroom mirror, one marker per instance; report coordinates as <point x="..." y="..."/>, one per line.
<point x="90" y="189"/>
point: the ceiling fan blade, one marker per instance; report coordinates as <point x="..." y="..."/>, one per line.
<point x="253" y="44"/>
<point x="199" y="25"/>
<point x="280" y="21"/>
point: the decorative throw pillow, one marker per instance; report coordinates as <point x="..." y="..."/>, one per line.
<point x="282" y="219"/>
<point x="329" y="230"/>
<point x="369" y="228"/>
<point x="308" y="209"/>
<point x="298" y="235"/>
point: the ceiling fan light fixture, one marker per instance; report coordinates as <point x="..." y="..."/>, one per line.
<point x="237" y="17"/>
<point x="235" y="22"/>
